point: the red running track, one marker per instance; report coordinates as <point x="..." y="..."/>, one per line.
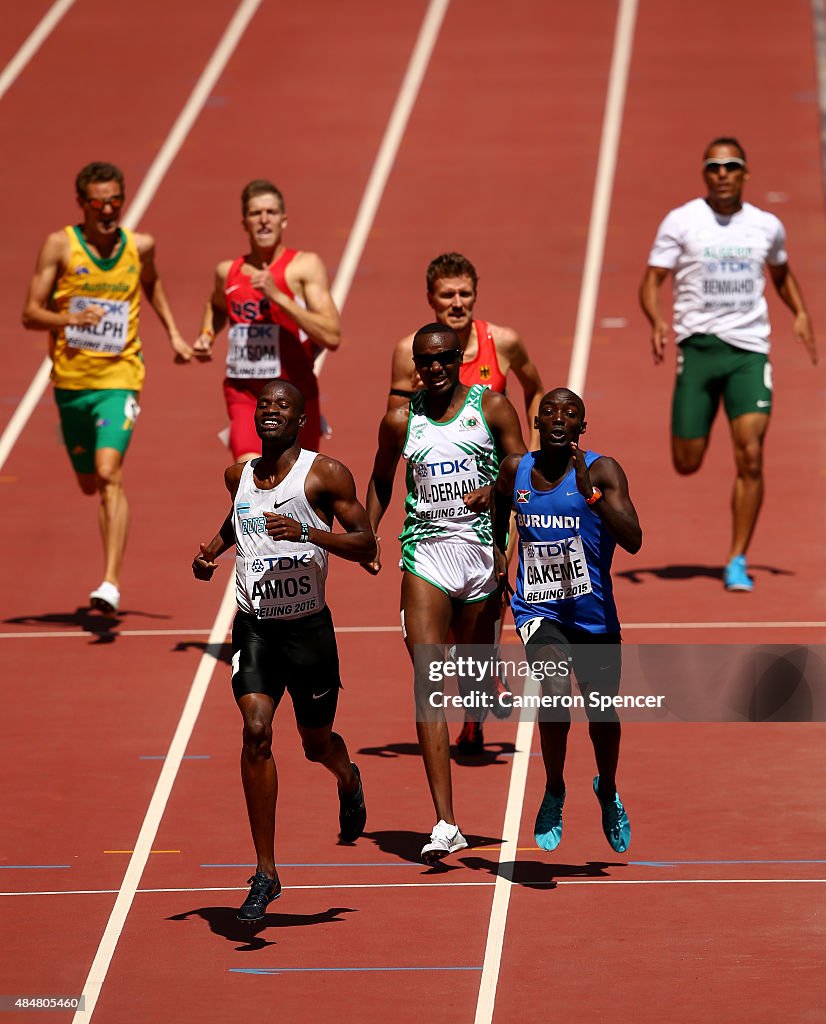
<point x="498" y="160"/>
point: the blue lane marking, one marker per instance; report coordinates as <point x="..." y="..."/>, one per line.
<point x="336" y="970"/>
<point x="337" y="864"/>
<point x="186" y="757"/>
<point x="8" y="867"/>
<point x="673" y="863"/>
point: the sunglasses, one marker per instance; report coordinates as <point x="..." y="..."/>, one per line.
<point x="731" y="165"/>
<point x="446" y="358"/>
<point x="116" y="202"/>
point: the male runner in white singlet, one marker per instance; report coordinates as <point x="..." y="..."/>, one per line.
<point x="283" y="507"/>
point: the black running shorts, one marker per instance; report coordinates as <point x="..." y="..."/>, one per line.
<point x="298" y="655"/>
<point x="596" y="659"/>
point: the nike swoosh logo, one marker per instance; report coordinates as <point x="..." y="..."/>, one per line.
<point x="762" y="404"/>
<point x="318" y="696"/>
<point x="232" y="288"/>
<point x="570" y="494"/>
<point x="278" y="504"/>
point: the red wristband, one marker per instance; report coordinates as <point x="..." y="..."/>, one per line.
<point x="596" y="494"/>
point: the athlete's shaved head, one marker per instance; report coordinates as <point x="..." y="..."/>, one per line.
<point x="286" y="388"/>
<point x="564" y="395"/>
<point x="430" y="331"/>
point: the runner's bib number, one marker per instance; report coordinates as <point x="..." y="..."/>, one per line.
<point x="108" y="335"/>
<point x="441" y="487"/>
<point x="555" y="570"/>
<point x="254" y="351"/>
<point x="284" y="587"/>
<point x="731" y="283"/>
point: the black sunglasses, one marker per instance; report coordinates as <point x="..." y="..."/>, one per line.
<point x="730" y="165"/>
<point x="446" y="358"/>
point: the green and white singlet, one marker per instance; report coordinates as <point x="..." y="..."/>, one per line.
<point x="445" y="462"/>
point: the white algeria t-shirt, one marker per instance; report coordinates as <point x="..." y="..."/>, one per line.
<point x="718" y="263"/>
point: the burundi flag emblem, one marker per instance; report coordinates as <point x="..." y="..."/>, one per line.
<point x="523" y="497"/>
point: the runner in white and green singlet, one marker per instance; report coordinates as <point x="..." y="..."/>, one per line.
<point x="452" y="438"/>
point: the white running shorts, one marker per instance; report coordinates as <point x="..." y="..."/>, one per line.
<point x="463" y="571"/>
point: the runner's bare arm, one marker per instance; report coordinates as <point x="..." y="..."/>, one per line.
<point x="650" y="303"/>
<point x="392" y="434"/>
<point x="331" y="485"/>
<point x="320" y="320"/>
<point x="204" y="564"/>
<point x="215" y="314"/>
<point x="504" y="424"/>
<point x="789" y="291"/>
<point x="503" y="500"/>
<point x="156" y="293"/>
<point x="518" y="360"/>
<point x="52" y="258"/>
<point x="403" y="376"/>
<point x="615" y="508"/>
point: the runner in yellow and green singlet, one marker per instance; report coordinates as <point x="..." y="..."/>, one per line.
<point x="86" y="293"/>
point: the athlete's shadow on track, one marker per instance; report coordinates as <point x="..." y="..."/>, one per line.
<point x="690" y="572"/>
<point x="222" y="921"/>
<point x="103" y="627"/>
<point x="535" y="874"/>
<point x="492" y="754"/>
<point x="221" y="652"/>
<point x="407" y="845"/>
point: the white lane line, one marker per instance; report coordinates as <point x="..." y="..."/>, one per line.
<point x="603" y="187"/>
<point x="203" y="675"/>
<point x="386" y="156"/>
<point x="37" y="37"/>
<point x="67" y="634"/>
<point x="20" y="417"/>
<point x="609" y="144"/>
<point x="552" y="884"/>
<point x="154" y="813"/>
<point x="200" y="684"/>
<point x="507" y="862"/>
<point x="145" y="194"/>
<point x="245" y="888"/>
<point x="187" y="117"/>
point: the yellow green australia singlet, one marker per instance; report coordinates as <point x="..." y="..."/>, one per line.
<point x="107" y="355"/>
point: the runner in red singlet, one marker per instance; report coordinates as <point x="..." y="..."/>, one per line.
<point x="490" y="351"/>
<point x="281" y="315"/>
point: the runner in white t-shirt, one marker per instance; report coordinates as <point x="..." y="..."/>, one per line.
<point x="717" y="249"/>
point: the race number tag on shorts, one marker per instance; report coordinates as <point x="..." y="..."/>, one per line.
<point x="253" y="351"/>
<point x="283" y="587"/>
<point x="109" y="334"/>
<point x="555" y="570"/>
<point x="442" y="486"/>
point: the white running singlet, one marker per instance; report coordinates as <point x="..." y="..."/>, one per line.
<point x="277" y="579"/>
